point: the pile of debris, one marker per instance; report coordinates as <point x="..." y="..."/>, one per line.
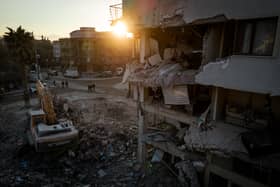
<point x="104" y="156"/>
<point x="164" y="74"/>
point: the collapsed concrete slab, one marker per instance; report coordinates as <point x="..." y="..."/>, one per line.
<point x="220" y="138"/>
<point x="237" y="73"/>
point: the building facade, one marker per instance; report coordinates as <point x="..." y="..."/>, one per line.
<point x="91" y="51"/>
<point x="211" y="70"/>
<point x="65" y="52"/>
<point x="82" y="45"/>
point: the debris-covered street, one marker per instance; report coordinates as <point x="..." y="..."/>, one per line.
<point x="104" y="156"/>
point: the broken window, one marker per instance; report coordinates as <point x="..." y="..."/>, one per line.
<point x="256" y="37"/>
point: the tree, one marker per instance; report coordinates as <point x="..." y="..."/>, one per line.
<point x="4" y="56"/>
<point x="20" y="46"/>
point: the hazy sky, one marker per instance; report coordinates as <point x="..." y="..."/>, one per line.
<point x="54" y="18"/>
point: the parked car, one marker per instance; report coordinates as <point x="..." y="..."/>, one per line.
<point x="52" y="72"/>
<point x="72" y="73"/>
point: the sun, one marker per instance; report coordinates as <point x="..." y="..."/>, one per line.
<point x="120" y="29"/>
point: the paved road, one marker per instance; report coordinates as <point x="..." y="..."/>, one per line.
<point x="104" y="85"/>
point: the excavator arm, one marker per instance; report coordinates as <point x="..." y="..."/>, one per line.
<point x="46" y="102"/>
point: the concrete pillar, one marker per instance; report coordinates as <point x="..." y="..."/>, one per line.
<point x="217" y="105"/>
<point x="142" y="47"/>
<point x="141" y="152"/>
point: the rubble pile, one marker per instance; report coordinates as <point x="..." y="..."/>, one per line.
<point x="104" y="156"/>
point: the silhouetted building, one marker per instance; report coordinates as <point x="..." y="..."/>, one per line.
<point x="65" y="52"/>
<point x="95" y="51"/>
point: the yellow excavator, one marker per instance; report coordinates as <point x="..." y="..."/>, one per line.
<point x="48" y="133"/>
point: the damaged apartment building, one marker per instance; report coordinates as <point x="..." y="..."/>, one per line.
<point x="210" y="70"/>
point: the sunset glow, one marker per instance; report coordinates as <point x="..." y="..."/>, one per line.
<point x="120" y="29"/>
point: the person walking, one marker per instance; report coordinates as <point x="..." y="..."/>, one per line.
<point x="62" y="84"/>
<point x="66" y="83"/>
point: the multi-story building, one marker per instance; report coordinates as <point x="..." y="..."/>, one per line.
<point x="212" y="70"/>
<point x="111" y="51"/>
<point x="95" y="51"/>
<point x="82" y="44"/>
<point x="65" y="52"/>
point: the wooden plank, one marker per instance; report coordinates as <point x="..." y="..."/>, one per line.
<point x="172" y="114"/>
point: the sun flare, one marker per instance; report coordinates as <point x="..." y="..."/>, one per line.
<point x="120" y="29"/>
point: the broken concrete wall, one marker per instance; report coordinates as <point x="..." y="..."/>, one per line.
<point x="221" y="138"/>
<point x="154" y="13"/>
<point x="202" y="9"/>
<point x="245" y="73"/>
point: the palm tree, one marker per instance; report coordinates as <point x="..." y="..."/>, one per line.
<point x="20" y="46"/>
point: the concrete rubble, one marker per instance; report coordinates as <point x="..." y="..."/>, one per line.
<point x="165" y="74"/>
<point x="105" y="155"/>
<point x="102" y="152"/>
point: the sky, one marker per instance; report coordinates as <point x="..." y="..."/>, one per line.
<point x="55" y="18"/>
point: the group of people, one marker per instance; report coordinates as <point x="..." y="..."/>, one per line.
<point x="64" y="83"/>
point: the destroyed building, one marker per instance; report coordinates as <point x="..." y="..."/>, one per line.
<point x="211" y="69"/>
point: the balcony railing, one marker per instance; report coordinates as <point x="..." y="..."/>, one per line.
<point x="115" y="11"/>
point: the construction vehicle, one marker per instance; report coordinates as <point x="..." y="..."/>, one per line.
<point x="46" y="132"/>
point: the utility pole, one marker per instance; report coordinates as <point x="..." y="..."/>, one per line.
<point x="37" y="57"/>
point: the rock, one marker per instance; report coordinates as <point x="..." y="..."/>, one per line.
<point x="199" y="166"/>
<point x="129" y="164"/>
<point x="119" y="184"/>
<point x="130" y="174"/>
<point x="137" y="167"/>
<point x="19" y="180"/>
<point x="110" y="133"/>
<point x="104" y="142"/>
<point x="82" y="177"/>
<point x="158" y="155"/>
<point x="71" y="154"/>
<point x="101" y="173"/>
<point x="112" y="154"/>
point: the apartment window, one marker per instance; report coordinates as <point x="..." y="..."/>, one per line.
<point x="256" y="37"/>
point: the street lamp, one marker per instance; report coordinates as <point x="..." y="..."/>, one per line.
<point x="37" y="57"/>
